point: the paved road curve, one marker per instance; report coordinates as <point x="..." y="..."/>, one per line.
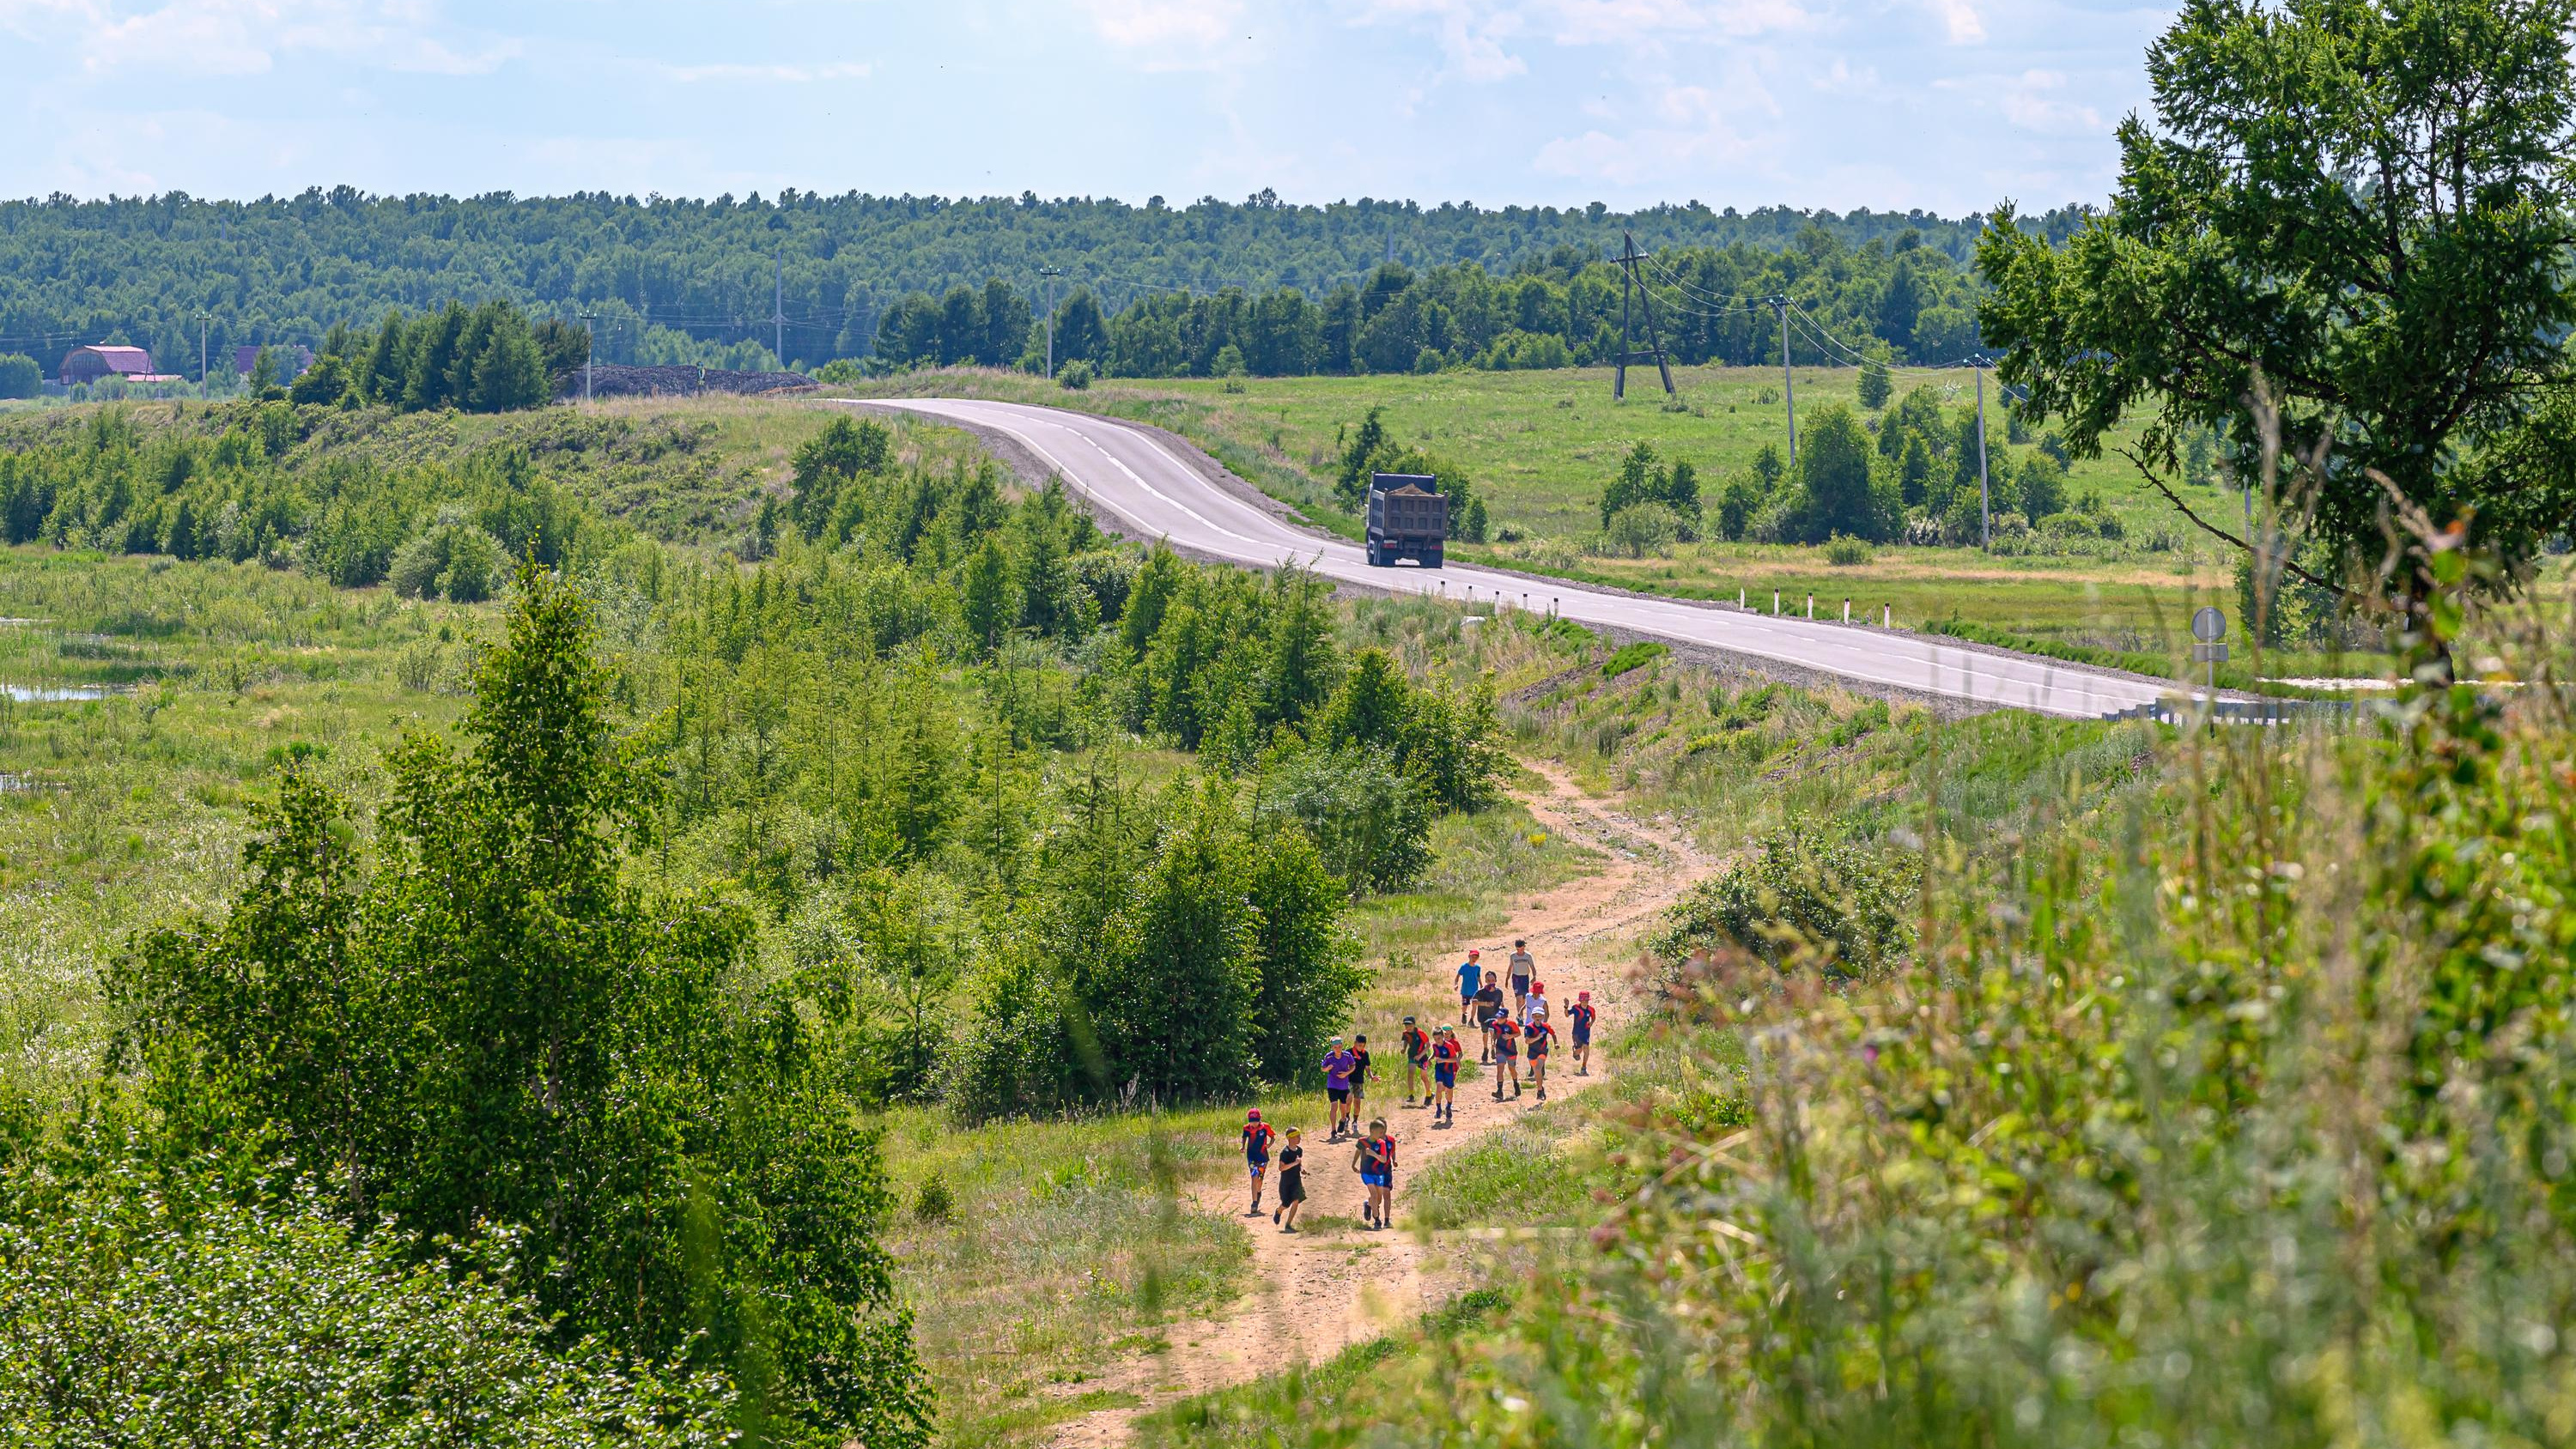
<point x="1133" y="476"/>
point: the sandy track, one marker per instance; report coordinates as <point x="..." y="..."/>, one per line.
<point x="1315" y="1294"/>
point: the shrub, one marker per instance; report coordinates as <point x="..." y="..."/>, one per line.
<point x="1846" y="907"/>
<point x="20" y="376"/>
<point x="932" y="1202"/>
<point x="1844" y="551"/>
<point x="1369" y="821"/>
<point x="1075" y="375"/>
<point x="2070" y="525"/>
<point x="450" y="559"/>
<point x="1632" y="655"/>
<point x="151" y="1306"/>
<point x="1642" y="528"/>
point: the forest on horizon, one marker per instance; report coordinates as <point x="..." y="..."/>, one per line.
<point x="699" y="281"/>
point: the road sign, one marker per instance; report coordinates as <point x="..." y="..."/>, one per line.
<point x="2208" y="625"/>
<point x="2209" y="653"/>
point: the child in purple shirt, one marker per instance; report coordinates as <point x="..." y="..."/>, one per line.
<point x="1339" y="1063"/>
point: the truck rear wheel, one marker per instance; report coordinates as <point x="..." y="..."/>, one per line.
<point x="1431" y="557"/>
<point x="1376" y="556"/>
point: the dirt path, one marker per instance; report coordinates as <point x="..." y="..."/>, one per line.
<point x="1315" y="1294"/>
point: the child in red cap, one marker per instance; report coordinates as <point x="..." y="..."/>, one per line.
<point x="1256" y="1154"/>
<point x="1579" y="1017"/>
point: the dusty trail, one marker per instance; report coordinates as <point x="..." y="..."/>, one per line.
<point x="1315" y="1294"/>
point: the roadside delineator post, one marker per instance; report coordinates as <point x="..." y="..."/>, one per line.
<point x="1886" y="612"/>
<point x="1811" y="606"/>
<point x="1846" y="611"/>
<point x="1775" y="603"/>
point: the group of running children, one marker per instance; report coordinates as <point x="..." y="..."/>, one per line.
<point x="1431" y="1061"/>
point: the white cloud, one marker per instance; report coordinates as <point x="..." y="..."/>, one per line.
<point x="1960" y="19"/>
<point x="1842" y="78"/>
<point x="245" y="37"/>
<point x="1166" y="24"/>
<point x="781" y="74"/>
<point x="1470" y="33"/>
<point x="2032" y="104"/>
<point x="1644" y="22"/>
<point x="1697" y="130"/>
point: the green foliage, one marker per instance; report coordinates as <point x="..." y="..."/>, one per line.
<point x="151" y="1304"/>
<point x="492" y="1025"/>
<point x="1074" y="376"/>
<point x="1876" y="387"/>
<point x="234" y="496"/>
<point x="1844" y="551"/>
<point x="1801" y="900"/>
<point x="452" y="558"/>
<point x="826" y="465"/>
<point x="1645" y="479"/>
<point x="20" y="376"/>
<point x="2284" y="230"/>
<point x="1842" y="486"/>
<point x="1369" y="821"/>
<point x="1633" y="655"/>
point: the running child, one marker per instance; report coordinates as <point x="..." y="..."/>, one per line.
<point x="1535" y="1006"/>
<point x="1579" y="1017"/>
<point x="1256" y="1155"/>
<point x="1445" y="1056"/>
<point x="1507" y="1056"/>
<point x="1489" y="1005"/>
<point x="1471" y="975"/>
<point x="1536" y="1038"/>
<point x="1375" y="1159"/>
<point x="1524" y="966"/>
<point x="1417" y="1063"/>
<point x="1292" y="1183"/>
<point x="1359" y="1078"/>
<point x="1338" y="1062"/>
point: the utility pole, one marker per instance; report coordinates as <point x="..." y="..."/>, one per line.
<point x="202" y="319"/>
<point x="1985" y="496"/>
<point x="1050" y="273"/>
<point x="778" y="314"/>
<point x="589" y="350"/>
<point x="1630" y="282"/>
<point x="1788" y="379"/>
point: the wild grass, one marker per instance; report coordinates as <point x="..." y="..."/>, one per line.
<point x="121" y="811"/>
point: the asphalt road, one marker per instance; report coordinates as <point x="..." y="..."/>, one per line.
<point x="1135" y="478"/>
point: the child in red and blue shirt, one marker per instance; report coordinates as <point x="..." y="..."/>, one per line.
<point x="1257" y="1137"/>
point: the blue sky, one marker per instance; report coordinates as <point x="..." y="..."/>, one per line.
<point x="1949" y="105"/>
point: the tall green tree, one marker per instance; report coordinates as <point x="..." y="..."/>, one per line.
<point x="493" y="1026"/>
<point x="2358" y="209"/>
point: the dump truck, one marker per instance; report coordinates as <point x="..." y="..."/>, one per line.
<point x="1407" y="518"/>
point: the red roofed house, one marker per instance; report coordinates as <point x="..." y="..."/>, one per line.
<point x="89" y="364"/>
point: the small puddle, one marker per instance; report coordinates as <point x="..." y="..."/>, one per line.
<point x="54" y="694"/>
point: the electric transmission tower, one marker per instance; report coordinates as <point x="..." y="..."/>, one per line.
<point x="1632" y="285"/>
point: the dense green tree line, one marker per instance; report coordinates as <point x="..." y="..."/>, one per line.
<point x="1920" y="472"/>
<point x="1896" y="295"/>
<point x="109" y="485"/>
<point x="694" y="281"/>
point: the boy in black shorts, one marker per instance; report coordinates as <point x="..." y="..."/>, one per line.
<point x="1445" y="1056"/>
<point x="1359" y="1077"/>
<point x="1489" y="1005"/>
<point x="1292" y="1183"/>
<point x="1417" y="1063"/>
<point x="1536" y="1038"/>
<point x="1507" y="1055"/>
<point x="1579" y="1017"/>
